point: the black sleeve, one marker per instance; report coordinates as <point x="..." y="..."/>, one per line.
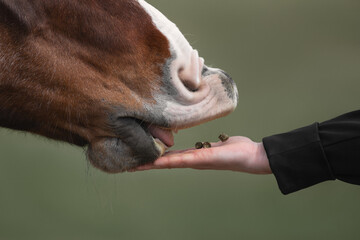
<point x="316" y="153"/>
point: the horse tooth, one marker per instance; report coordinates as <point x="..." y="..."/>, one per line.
<point x="160" y="146"/>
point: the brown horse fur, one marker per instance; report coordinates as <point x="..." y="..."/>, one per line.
<point x="75" y="70"/>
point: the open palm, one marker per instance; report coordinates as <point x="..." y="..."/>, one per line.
<point x="236" y="154"/>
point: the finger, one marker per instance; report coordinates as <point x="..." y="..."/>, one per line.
<point x="169" y="154"/>
<point x="216" y="144"/>
<point x="213" y="144"/>
<point x="163" y="162"/>
<point x="171" y="161"/>
<point x="188" y="159"/>
<point x="178" y="151"/>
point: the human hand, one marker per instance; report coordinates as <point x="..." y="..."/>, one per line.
<point x="236" y="154"/>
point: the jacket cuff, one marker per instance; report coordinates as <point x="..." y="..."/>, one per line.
<point x="297" y="159"/>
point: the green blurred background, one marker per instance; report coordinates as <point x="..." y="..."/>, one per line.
<point x="294" y="61"/>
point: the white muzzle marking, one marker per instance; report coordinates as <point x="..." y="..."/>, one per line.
<point x="199" y="98"/>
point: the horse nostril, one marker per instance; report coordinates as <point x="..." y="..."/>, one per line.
<point x="191" y="82"/>
<point x="190" y="74"/>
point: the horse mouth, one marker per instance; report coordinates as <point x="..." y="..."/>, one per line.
<point x="138" y="143"/>
<point x="163" y="138"/>
<point x="142" y="137"/>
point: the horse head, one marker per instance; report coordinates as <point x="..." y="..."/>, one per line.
<point x="116" y="76"/>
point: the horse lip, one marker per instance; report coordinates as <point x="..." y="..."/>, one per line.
<point x="134" y="133"/>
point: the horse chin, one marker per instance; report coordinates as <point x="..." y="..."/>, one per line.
<point x="137" y="143"/>
<point x="113" y="155"/>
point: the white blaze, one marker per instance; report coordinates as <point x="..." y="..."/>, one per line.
<point x="177" y="40"/>
<point x="186" y="68"/>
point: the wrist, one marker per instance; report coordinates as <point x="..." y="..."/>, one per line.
<point x="261" y="159"/>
